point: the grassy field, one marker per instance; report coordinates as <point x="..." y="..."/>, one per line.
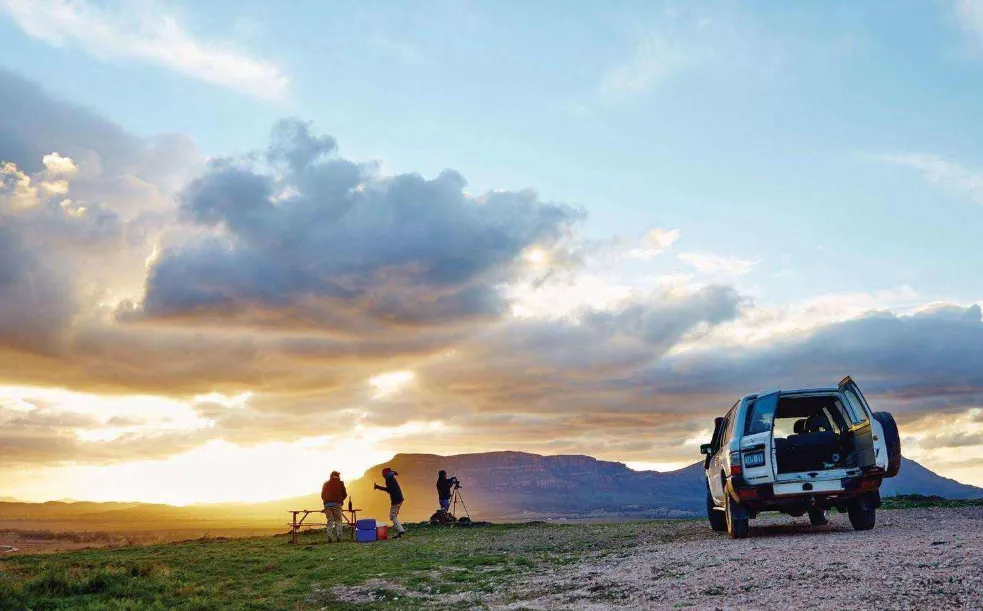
<point x="431" y="567"/>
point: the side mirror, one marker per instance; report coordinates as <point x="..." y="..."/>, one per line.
<point x="706" y="449"/>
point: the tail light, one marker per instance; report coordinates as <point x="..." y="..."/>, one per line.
<point x="735" y="463"/>
<point x="870" y="484"/>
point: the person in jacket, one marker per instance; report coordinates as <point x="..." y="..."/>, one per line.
<point x="395" y="499"/>
<point x="445" y="490"/>
<point x="333" y="494"/>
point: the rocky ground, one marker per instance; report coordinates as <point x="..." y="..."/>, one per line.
<point x="917" y="558"/>
<point x="913" y="559"/>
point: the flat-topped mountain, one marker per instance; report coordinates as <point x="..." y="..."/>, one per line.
<point x="496" y="486"/>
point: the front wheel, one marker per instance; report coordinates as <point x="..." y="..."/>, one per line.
<point x="818" y="517"/>
<point x="737" y="528"/>
<point x="860" y="518"/>
<point x="718" y="521"/>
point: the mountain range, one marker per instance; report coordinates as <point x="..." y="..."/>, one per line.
<point x="503" y="486"/>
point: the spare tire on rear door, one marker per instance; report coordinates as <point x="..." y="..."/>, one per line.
<point x="892" y="440"/>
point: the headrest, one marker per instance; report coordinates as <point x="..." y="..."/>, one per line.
<point x="818" y="422"/>
<point x="799" y="427"/>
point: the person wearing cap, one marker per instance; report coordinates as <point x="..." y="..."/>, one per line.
<point x="395" y="499"/>
<point x="333" y="494"/>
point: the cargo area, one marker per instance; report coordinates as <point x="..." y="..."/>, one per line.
<point x="810" y="433"/>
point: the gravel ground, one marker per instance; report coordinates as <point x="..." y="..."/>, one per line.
<point x="913" y="559"/>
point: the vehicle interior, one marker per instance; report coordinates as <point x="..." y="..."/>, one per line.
<point x="811" y="433"/>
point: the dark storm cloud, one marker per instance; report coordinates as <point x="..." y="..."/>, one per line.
<point x="66" y="235"/>
<point x="960" y="439"/>
<point x="33" y="124"/>
<point x="563" y="364"/>
<point x="36" y="303"/>
<point x="932" y="355"/>
<point x="331" y="235"/>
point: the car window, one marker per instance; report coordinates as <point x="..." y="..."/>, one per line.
<point x="854" y="408"/>
<point x="723" y="439"/>
<point x="727" y="428"/>
<point x="760" y="416"/>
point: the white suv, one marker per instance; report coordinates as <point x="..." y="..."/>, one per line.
<point x="798" y="452"/>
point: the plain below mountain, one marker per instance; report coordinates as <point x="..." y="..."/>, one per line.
<point x="498" y="486"/>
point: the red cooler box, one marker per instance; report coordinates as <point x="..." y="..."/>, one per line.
<point x="382" y="533"/>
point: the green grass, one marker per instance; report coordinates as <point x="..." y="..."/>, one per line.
<point x="913" y="501"/>
<point x="429" y="566"/>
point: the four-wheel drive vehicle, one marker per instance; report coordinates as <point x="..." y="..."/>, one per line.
<point x="799" y="452"/>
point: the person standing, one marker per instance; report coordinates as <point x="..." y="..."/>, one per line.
<point x="395" y="499"/>
<point x="445" y="487"/>
<point x="333" y="494"/>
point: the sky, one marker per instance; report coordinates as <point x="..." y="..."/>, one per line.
<point x="244" y="244"/>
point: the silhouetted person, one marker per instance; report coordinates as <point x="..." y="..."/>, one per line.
<point x="395" y="499"/>
<point x="333" y="494"/>
<point x="445" y="490"/>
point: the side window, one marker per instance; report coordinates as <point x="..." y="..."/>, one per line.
<point x="731" y="420"/>
<point x="722" y="438"/>
<point x="727" y="429"/>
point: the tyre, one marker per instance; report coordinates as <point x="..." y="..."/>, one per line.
<point x="718" y="521"/>
<point x="860" y="518"/>
<point x="892" y="440"/>
<point x="818" y="517"/>
<point x="737" y="528"/>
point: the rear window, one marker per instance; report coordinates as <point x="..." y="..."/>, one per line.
<point x="760" y="415"/>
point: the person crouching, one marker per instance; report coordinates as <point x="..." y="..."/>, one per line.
<point x="333" y="494"/>
<point x="395" y="499"/>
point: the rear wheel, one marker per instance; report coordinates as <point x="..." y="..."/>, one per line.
<point x="737" y="528"/>
<point x="892" y="440"/>
<point x="818" y="517"/>
<point x="718" y="521"/>
<point x="860" y="518"/>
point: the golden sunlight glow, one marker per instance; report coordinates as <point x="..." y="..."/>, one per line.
<point x="238" y="400"/>
<point x="219" y="471"/>
<point x="141" y="413"/>
<point x="387" y="384"/>
<point x="655" y="466"/>
<point x="536" y="256"/>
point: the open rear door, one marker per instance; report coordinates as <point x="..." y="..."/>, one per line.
<point x="859" y="414"/>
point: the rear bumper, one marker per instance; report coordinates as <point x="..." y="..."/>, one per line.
<point x="819" y="494"/>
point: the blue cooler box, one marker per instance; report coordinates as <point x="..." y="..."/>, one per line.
<point x="365" y="524"/>
<point x="365" y="536"/>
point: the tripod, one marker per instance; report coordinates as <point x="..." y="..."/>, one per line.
<point x="458" y="497"/>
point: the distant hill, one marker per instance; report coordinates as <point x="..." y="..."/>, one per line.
<point x="520" y="486"/>
<point x="916" y="479"/>
<point x="496" y="486"/>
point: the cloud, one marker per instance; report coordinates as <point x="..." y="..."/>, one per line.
<point x="910" y="360"/>
<point x="683" y="39"/>
<point x="332" y="244"/>
<point x="144" y="32"/>
<point x="653" y="60"/>
<point x="970" y="15"/>
<point x="334" y="293"/>
<point x="947" y="175"/>
<point x="709" y="263"/>
<point x="655" y="242"/>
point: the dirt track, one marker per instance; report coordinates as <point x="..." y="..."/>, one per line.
<point x="913" y="559"/>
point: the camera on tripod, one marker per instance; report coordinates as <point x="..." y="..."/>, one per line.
<point x="455" y="483"/>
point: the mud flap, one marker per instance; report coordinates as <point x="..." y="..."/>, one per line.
<point x="739" y="510"/>
<point x="870" y="500"/>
